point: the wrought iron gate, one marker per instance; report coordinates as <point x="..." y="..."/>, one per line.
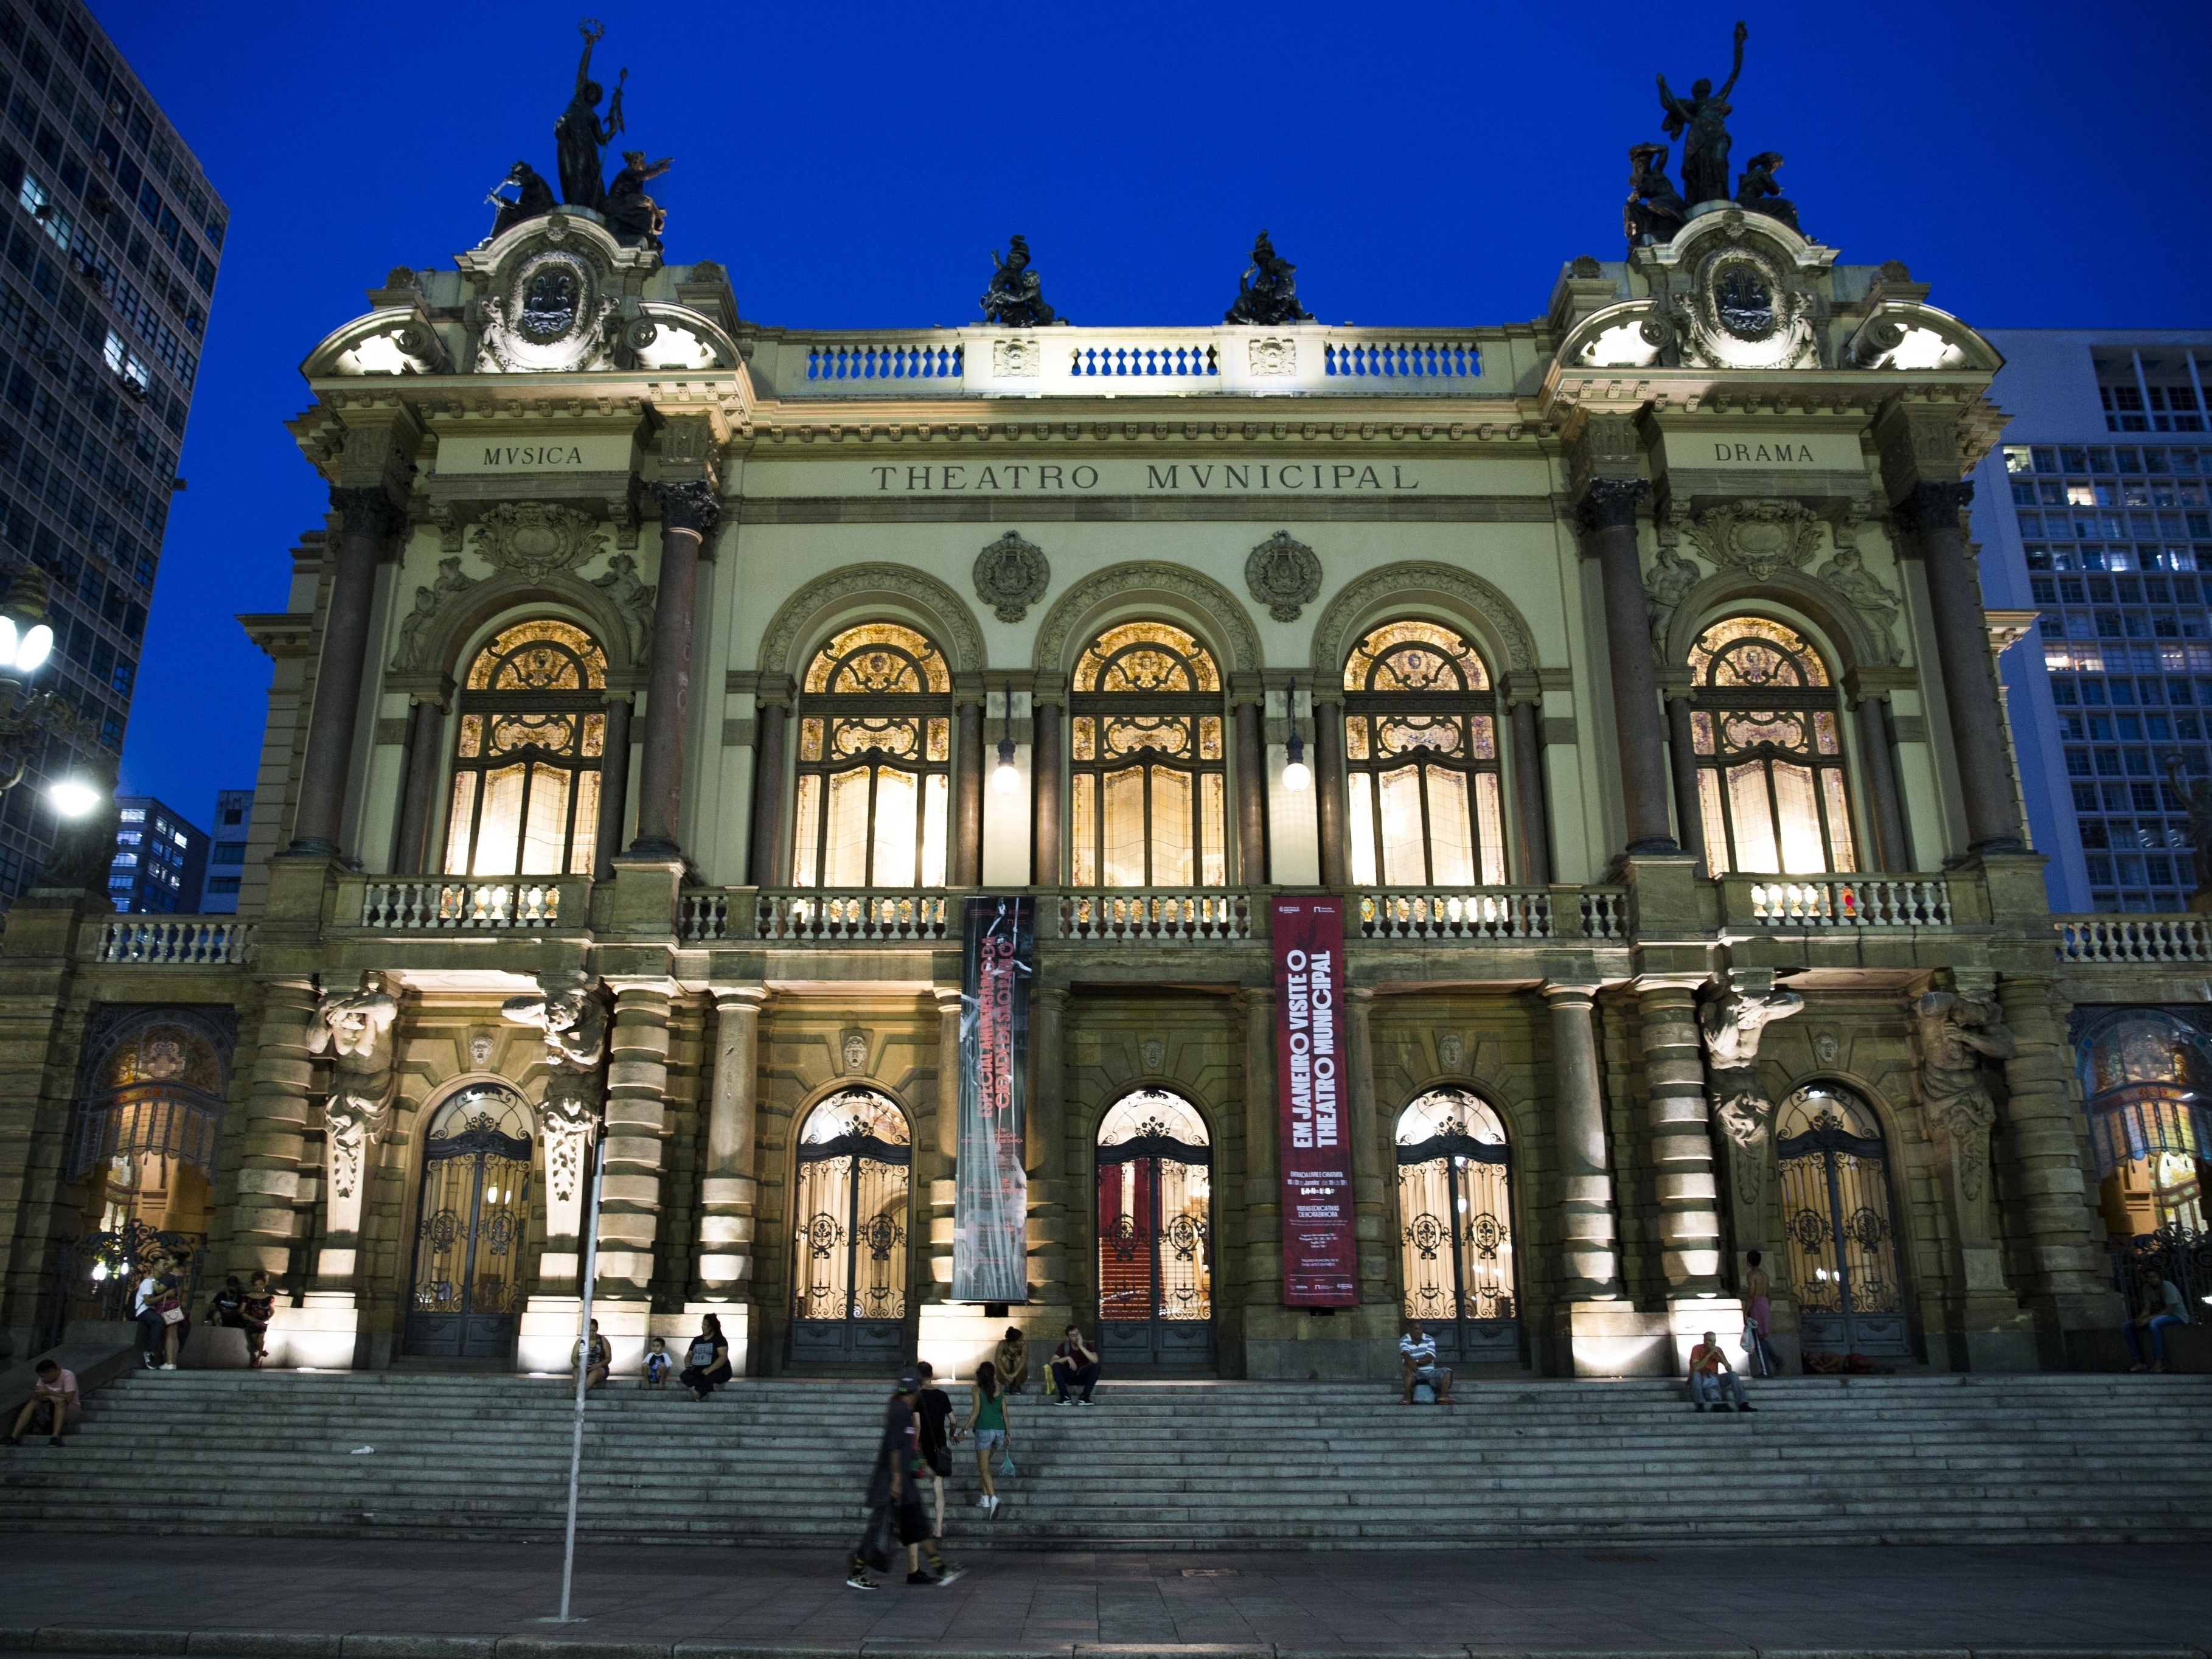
<point x="1456" y="1214"/>
<point x="1837" y="1214"/>
<point x="1155" y="1190"/>
<point x="849" y="1248"/>
<point x="470" y="1231"/>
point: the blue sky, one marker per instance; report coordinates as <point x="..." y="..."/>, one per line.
<point x="854" y="164"/>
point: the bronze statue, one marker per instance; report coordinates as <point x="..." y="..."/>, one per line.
<point x="1757" y="192"/>
<point x="1700" y="122"/>
<point x="533" y="198"/>
<point x="578" y="135"/>
<point x="634" y="217"/>
<point x="1655" y="210"/>
<point x="1015" y="298"/>
<point x="1267" y="294"/>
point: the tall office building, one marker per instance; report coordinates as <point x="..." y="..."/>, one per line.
<point x="107" y="265"/>
<point x="160" y="858"/>
<point x="2094" y="513"/>
<point x="226" y="859"/>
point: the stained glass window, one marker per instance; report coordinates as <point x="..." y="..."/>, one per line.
<point x="875" y="762"/>
<point x="527" y="764"/>
<point x="1421" y="738"/>
<point x="1768" y="740"/>
<point x="1150" y="794"/>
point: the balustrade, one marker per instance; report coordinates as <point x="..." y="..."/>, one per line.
<point x="1490" y="912"/>
<point x="1401" y="359"/>
<point x="174" y="941"/>
<point x="2134" y="938"/>
<point x="934" y="359"/>
<point x="1839" y="901"/>
<point x="413" y="905"/>
<point x="1212" y="914"/>
<point x="820" y="914"/>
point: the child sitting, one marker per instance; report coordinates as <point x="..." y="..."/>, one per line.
<point x="656" y="1364"/>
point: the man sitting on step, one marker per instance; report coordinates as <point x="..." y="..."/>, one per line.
<point x="1709" y="1367"/>
<point x="54" y="1395"/>
<point x="1418" y="1368"/>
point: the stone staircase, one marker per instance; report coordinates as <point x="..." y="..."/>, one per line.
<point x="1918" y="1459"/>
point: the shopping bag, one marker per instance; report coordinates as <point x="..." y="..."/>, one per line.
<point x="880" y="1539"/>
<point x="1006" y="1461"/>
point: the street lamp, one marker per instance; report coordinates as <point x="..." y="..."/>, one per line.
<point x="1298" y="776"/>
<point x="1006" y="776"/>
<point x="26" y="639"/>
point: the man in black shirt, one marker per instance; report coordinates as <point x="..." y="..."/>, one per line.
<point x="895" y="1502"/>
<point x="933" y="1410"/>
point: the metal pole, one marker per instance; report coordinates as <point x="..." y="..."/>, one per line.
<point x="583" y="1371"/>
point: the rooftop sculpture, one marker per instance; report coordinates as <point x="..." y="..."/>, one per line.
<point x="581" y="136"/>
<point x="1015" y="298"/>
<point x="1655" y="210"/>
<point x="1267" y="294"/>
<point x="1699" y="121"/>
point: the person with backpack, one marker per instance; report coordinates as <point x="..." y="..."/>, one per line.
<point x="986" y="1421"/>
<point x="707" y="1361"/>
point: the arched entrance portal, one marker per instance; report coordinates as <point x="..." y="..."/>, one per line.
<point x="1837" y="1214"/>
<point x="470" y="1230"/>
<point x="1155" y="1232"/>
<point x="849" y="1245"/>
<point x="1456" y="1226"/>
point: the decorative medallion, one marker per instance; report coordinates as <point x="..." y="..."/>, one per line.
<point x="480" y="1050"/>
<point x="534" y="540"/>
<point x="1743" y="309"/>
<point x="855" y="1050"/>
<point x="1011" y="575"/>
<point x="1271" y="355"/>
<point x="1757" y="537"/>
<point x="549" y="310"/>
<point x="1020" y="358"/>
<point x="1284" y="574"/>
<point x="1743" y="301"/>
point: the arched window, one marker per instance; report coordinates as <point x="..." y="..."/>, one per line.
<point x="1837" y="1216"/>
<point x="2147" y="1086"/>
<point x="533" y="726"/>
<point x="470" y="1269"/>
<point x="1420" y="741"/>
<point x="1456" y="1226"/>
<point x="1155" y="1231"/>
<point x="849" y="1249"/>
<point x="875" y="762"/>
<point x="1151" y="794"/>
<point x="1768" y="736"/>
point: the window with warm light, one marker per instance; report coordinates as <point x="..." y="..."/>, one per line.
<point x="1767" y="730"/>
<point x="526" y="765"/>
<point x="1150" y="799"/>
<point x="875" y="762"/>
<point x="1420" y="742"/>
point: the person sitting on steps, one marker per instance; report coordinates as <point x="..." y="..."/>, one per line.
<point x="2162" y="1306"/>
<point x="53" y="1396"/>
<point x="1074" y="1363"/>
<point x="1708" y="1364"/>
<point x="657" y="1363"/>
<point x="600" y="1362"/>
<point x="1417" y="1364"/>
<point x="1011" y="1359"/>
<point x="708" y="1359"/>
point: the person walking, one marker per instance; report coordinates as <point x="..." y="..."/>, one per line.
<point x="707" y="1361"/>
<point x="986" y="1422"/>
<point x="1074" y="1363"/>
<point x="895" y="1506"/>
<point x="934" y="1409"/>
<point x="1759" y="1317"/>
<point x="256" y="1312"/>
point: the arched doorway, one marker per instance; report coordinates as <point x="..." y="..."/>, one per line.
<point x="849" y="1249"/>
<point x="1155" y="1232"/>
<point x="1837" y="1217"/>
<point x="1456" y="1226"/>
<point x="468" y="1289"/>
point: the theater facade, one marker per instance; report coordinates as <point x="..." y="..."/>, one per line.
<point x="663" y="684"/>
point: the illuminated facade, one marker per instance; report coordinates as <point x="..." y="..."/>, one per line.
<point x="676" y="674"/>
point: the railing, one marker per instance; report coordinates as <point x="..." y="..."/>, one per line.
<point x="2134" y="938"/>
<point x="937" y="359"/>
<point x="1186" y="914"/>
<point x="1140" y="362"/>
<point x="1604" y="911"/>
<point x="1403" y="360"/>
<point x="437" y="906"/>
<point x="174" y="941"/>
<point x="825" y="913"/>
<point x="2182" y="1257"/>
<point x="1839" y="901"/>
<point x="1456" y="913"/>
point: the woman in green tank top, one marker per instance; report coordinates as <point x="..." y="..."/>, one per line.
<point x="986" y="1421"/>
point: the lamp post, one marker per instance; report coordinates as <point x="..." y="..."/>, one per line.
<point x="1006" y="776"/>
<point x="26" y="639"/>
<point x="1298" y="776"/>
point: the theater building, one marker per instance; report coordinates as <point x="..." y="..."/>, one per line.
<point x="1621" y="673"/>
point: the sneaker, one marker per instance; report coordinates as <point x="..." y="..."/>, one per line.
<point x="1699" y="1409"/>
<point x="919" y="1577"/>
<point x="1747" y="1408"/>
<point x="982" y="1501"/>
<point x="859" y="1579"/>
<point x="1086" y="1401"/>
<point x="946" y="1574"/>
<point x="168" y="1365"/>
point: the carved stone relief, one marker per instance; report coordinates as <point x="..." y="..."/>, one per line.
<point x="1018" y="358"/>
<point x="1732" y="1020"/>
<point x="1271" y="355"/>
<point x="568" y="1010"/>
<point x="1451" y="1051"/>
<point x="1757" y="537"/>
<point x="1154" y="1055"/>
<point x="430" y="602"/>
<point x="1955" y="1031"/>
<point x="1012" y="574"/>
<point x="356" y="1028"/>
<point x="1666" y="585"/>
<point x="853" y="1049"/>
<point x="1868" y="595"/>
<point x="534" y="540"/>
<point x="1284" y="574"/>
<point x="633" y="598"/>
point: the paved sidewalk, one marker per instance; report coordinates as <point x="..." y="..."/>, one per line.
<point x="85" y="1592"/>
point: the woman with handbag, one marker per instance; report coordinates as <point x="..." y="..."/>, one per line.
<point x="706" y="1362"/>
<point x="986" y="1421"/>
<point x="159" y="1307"/>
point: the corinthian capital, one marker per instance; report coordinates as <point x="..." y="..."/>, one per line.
<point x="368" y="510"/>
<point x="691" y="506"/>
<point x="1609" y="503"/>
<point x="1933" y="506"/>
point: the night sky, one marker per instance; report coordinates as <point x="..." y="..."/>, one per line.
<point x="853" y="166"/>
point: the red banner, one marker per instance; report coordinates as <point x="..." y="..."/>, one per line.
<point x="1321" y="1263"/>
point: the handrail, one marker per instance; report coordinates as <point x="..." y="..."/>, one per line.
<point x="1455" y="913"/>
<point x="1875" y="901"/>
<point x="175" y="941"/>
<point x="2134" y="938"/>
<point x="822" y="914"/>
<point x="461" y="903"/>
<point x="1217" y="914"/>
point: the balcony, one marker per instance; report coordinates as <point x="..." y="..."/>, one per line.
<point x="1837" y="904"/>
<point x="2109" y="939"/>
<point x="172" y="941"/>
<point x="462" y="905"/>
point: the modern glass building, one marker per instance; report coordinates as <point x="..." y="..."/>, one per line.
<point x="160" y="858"/>
<point x="2093" y="512"/>
<point x="108" y="257"/>
<point x="226" y="859"/>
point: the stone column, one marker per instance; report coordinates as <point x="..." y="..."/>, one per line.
<point x="728" y="1193"/>
<point x="426" y="724"/>
<point x="1263" y="1189"/>
<point x="614" y="787"/>
<point x="264" y="1219"/>
<point x="1527" y="699"/>
<point x="1328" y="783"/>
<point x="1878" y="764"/>
<point x="1044" y="1152"/>
<point x="1608" y="513"/>
<point x="636" y="1117"/>
<point x="1681" y="1148"/>
<point x="772" y="707"/>
<point x="968" y="790"/>
<point x="1928" y="514"/>
<point x="1682" y="752"/>
<point x="944" y="1174"/>
<point x="688" y="513"/>
<point x="369" y="516"/>
<point x="1251" y="786"/>
<point x="1373" y="1154"/>
<point x="1047" y="786"/>
<point x="1587" y="1225"/>
<point x="2043" y="1188"/>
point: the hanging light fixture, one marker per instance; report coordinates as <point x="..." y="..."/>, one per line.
<point x="26" y="637"/>
<point x="1298" y="776"/>
<point x="1006" y="776"/>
